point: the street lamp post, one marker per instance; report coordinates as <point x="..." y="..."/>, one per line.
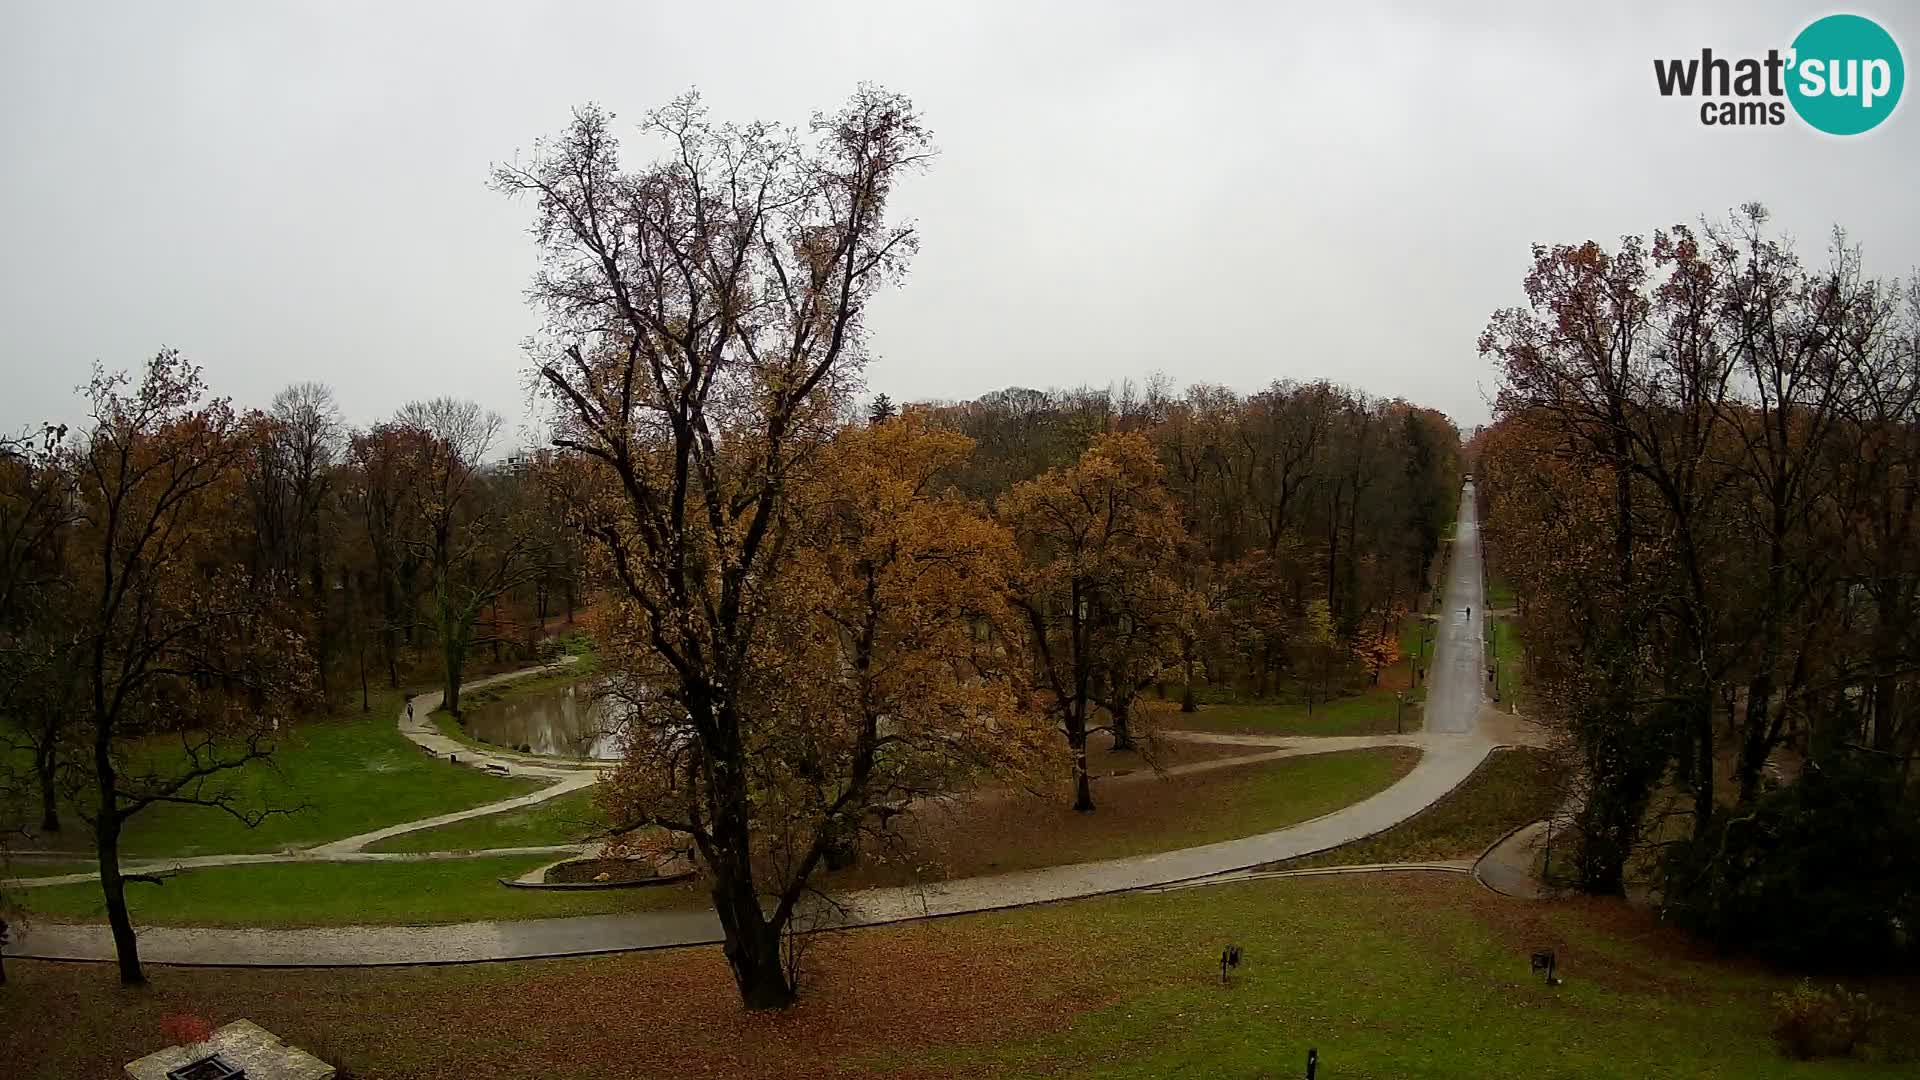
<point x="1399" y="710"/>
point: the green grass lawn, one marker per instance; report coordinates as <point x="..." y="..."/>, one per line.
<point x="32" y="868"/>
<point x="346" y="775"/>
<point x="1499" y="593"/>
<point x="1506" y="648"/>
<point x="563" y="819"/>
<point x="1371" y="713"/>
<point x="1139" y="817"/>
<point x="1513" y="787"/>
<point x="1411" y="979"/>
<point x="341" y="894"/>
<point x="1246" y="800"/>
<point x="1387" y="976"/>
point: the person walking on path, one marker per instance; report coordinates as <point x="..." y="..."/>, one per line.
<point x="409" y="709"/>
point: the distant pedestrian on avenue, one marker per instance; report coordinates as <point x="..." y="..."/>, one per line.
<point x="409" y="710"/>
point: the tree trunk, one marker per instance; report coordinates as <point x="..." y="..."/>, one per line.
<point x="1753" y="744"/>
<point x="1333" y="558"/>
<point x="752" y="942"/>
<point x="1703" y="749"/>
<point x="1122" y="727"/>
<point x="1077" y="743"/>
<point x="43" y="765"/>
<point x="494" y="622"/>
<point x="1884" y="692"/>
<point x="455" y="662"/>
<point x="842" y="850"/>
<point x="126" y="945"/>
<point x="1887" y="632"/>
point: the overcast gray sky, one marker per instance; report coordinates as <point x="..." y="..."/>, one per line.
<point x="1230" y="193"/>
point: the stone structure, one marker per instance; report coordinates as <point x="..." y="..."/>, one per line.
<point x="243" y="1043"/>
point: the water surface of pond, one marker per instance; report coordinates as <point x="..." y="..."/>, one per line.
<point x="569" y="720"/>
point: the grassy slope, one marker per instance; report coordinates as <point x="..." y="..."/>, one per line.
<point x="1512" y="788"/>
<point x="32" y="868"/>
<point x="337" y="775"/>
<point x="1506" y="646"/>
<point x="348" y="775"/>
<point x="1395" y="976"/>
<point x="1133" y="818"/>
<point x="563" y="819"/>
<point x="1137" y="817"/>
<point x="1371" y="713"/>
<point x="340" y="894"/>
<point x="1201" y="808"/>
<point x="1383" y="984"/>
<point x="1499" y="593"/>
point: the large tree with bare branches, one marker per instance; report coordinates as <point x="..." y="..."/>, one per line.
<point x="706" y="322"/>
<point x="185" y="663"/>
<point x="475" y="543"/>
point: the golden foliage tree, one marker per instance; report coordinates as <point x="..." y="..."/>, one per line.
<point x="1096" y="593"/>
<point x="708" y="316"/>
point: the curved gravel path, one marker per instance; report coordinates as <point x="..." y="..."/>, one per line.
<point x="1452" y="747"/>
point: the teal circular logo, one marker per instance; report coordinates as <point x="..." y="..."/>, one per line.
<point x="1846" y="75"/>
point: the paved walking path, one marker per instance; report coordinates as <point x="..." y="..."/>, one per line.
<point x="420" y="729"/>
<point x="1443" y="766"/>
<point x="1452" y="746"/>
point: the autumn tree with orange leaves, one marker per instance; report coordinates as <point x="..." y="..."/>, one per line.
<point x="881" y="678"/>
<point x="1096" y="592"/>
<point x="707" y="321"/>
<point x="1702" y="455"/>
<point x="186" y="665"/>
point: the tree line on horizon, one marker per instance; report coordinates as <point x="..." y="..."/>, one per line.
<point x="180" y="578"/>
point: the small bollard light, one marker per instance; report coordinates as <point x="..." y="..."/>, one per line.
<point x="1313" y="1062"/>
<point x="1543" y="961"/>
<point x="1229" y="958"/>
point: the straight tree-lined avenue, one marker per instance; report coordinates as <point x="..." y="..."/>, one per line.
<point x="1454" y="693"/>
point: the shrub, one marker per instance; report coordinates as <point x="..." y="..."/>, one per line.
<point x="1822" y="874"/>
<point x="1809" y="1022"/>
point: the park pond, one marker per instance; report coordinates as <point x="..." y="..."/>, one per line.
<point x="573" y="719"/>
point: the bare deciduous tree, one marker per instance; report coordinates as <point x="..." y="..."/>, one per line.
<point x="707" y="316"/>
